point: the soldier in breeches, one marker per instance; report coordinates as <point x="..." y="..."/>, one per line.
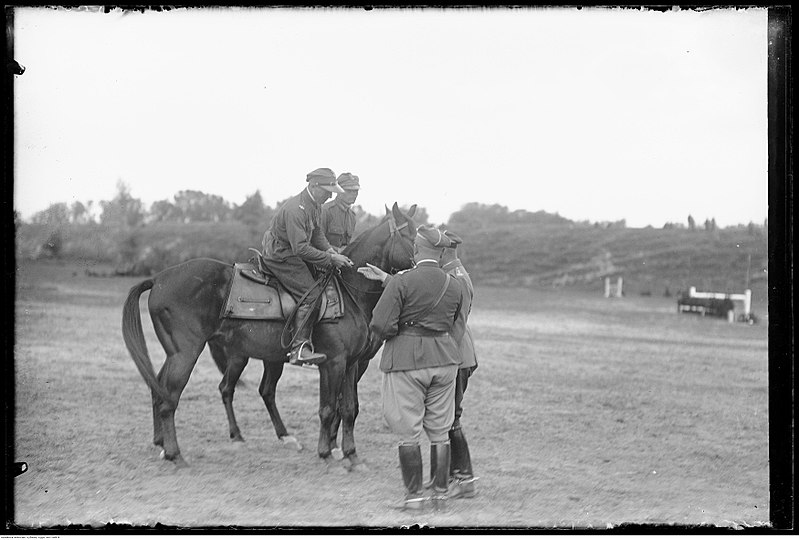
<point x="461" y="475"/>
<point x="338" y="217"/>
<point x="460" y="470"/>
<point x="416" y="315"/>
<point x="293" y="245"/>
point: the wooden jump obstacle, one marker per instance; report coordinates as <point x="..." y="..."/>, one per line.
<point x="614" y="291"/>
<point x="715" y="304"/>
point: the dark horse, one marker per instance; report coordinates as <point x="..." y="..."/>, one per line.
<point x="185" y="304"/>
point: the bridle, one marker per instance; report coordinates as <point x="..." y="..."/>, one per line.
<point x="394" y="236"/>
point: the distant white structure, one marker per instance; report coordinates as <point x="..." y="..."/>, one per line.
<point x="745" y="298"/>
<point x="614" y="291"/>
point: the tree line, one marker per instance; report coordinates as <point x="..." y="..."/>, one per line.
<point x="193" y="206"/>
<point x="186" y="206"/>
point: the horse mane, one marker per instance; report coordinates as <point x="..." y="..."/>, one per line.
<point x="362" y="237"/>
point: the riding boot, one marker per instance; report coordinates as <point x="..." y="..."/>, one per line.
<point x="301" y="347"/>
<point x="410" y="458"/>
<point x="462" y="483"/>
<point x="441" y="478"/>
<point x="433" y="461"/>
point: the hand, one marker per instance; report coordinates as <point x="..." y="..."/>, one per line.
<point x="372" y="272"/>
<point x="340" y="260"/>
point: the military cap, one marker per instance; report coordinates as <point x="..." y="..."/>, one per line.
<point x="349" y="181"/>
<point x="454" y="239"/>
<point x="324" y="178"/>
<point x="431" y="238"/>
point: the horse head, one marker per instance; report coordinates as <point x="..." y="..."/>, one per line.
<point x="402" y="230"/>
<point x="389" y="244"/>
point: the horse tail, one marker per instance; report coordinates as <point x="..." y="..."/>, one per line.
<point x="133" y="334"/>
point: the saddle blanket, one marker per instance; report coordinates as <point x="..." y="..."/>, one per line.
<point x="253" y="296"/>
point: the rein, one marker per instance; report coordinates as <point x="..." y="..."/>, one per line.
<point x="324" y="280"/>
<point x="349" y="286"/>
<point x="394" y="233"/>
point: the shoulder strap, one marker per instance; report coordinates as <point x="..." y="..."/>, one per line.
<point x="432" y="306"/>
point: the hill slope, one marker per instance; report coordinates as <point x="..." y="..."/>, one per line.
<point x="551" y="254"/>
<point x="649" y="260"/>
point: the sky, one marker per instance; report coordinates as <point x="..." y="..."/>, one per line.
<point x="597" y="114"/>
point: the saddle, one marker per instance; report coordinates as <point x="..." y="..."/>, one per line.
<point x="255" y="293"/>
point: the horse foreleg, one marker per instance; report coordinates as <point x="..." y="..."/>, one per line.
<point x="233" y="367"/>
<point x="331" y="375"/>
<point x="268" y="388"/>
<point x="335" y="451"/>
<point x="349" y="412"/>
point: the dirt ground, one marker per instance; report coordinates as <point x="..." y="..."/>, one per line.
<point x="585" y="412"/>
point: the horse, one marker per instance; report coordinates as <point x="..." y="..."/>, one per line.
<point x="185" y="303"/>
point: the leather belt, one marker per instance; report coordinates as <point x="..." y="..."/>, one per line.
<point x="418" y="331"/>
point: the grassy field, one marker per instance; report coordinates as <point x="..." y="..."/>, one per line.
<point x="585" y="412"/>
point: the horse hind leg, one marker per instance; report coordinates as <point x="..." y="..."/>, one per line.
<point x="183" y="350"/>
<point x="268" y="389"/>
<point x="231" y="365"/>
<point x="178" y="368"/>
<point x="158" y="431"/>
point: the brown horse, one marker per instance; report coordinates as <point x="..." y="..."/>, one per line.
<point x="185" y="303"/>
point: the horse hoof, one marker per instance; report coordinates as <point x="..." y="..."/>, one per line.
<point x="177" y="461"/>
<point x="291" y="443"/>
<point x="237" y="439"/>
<point x="359" y="467"/>
<point x="337" y="454"/>
<point x="337" y="467"/>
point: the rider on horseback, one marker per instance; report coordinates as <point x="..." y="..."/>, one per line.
<point x="338" y="217"/>
<point x="293" y="245"/>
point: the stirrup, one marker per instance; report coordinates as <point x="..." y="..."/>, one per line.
<point x="298" y="360"/>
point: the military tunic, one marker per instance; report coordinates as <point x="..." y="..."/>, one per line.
<point x="294" y="242"/>
<point x="338" y="222"/>
<point x="420" y="357"/>
<point x="468" y="356"/>
<point x="456" y="269"/>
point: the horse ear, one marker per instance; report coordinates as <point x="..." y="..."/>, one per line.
<point x="387" y="210"/>
<point x="412" y="211"/>
<point x="395" y="210"/>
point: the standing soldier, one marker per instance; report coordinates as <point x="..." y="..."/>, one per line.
<point x="293" y="245"/>
<point x="338" y="217"/>
<point x="416" y="314"/>
<point x="460" y="470"/>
